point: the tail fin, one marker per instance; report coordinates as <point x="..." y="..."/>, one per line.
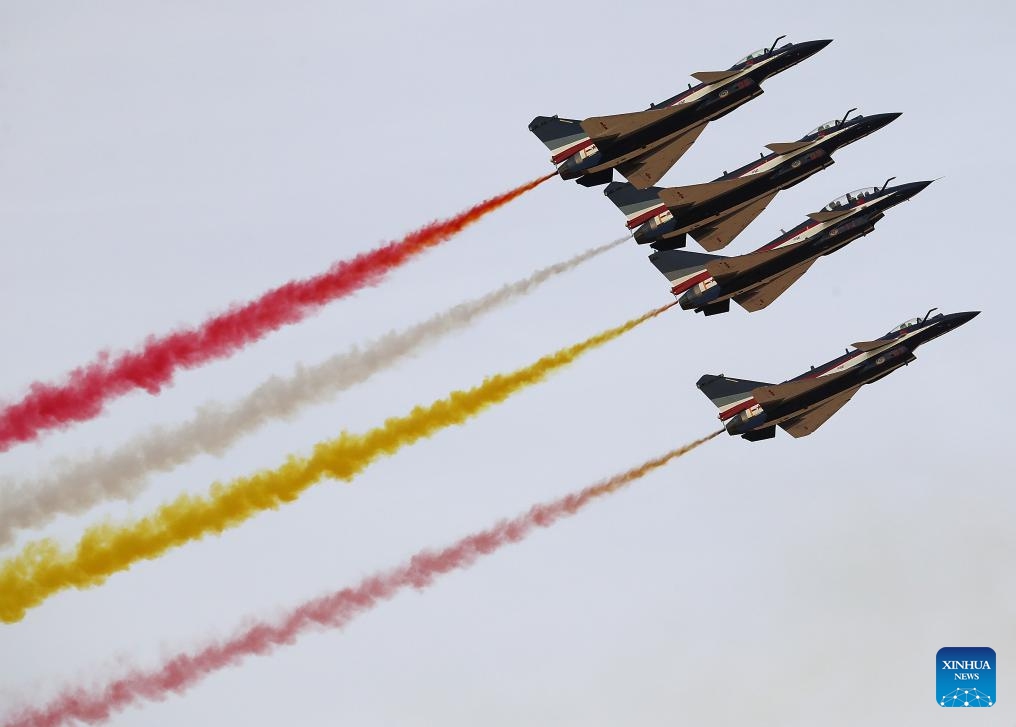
<point x="637" y="205"/>
<point x="563" y="137"/>
<point x="728" y="394"/>
<point x="682" y="269"/>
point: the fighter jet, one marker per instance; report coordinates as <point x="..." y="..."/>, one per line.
<point x="644" y="145"/>
<point x="707" y="283"/>
<point x="716" y="212"/>
<point x="753" y="409"/>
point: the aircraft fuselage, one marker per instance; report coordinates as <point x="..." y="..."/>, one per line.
<point x="806" y="242"/>
<point x="853" y="369"/>
<point x="712" y="99"/>
<point x="770" y="174"/>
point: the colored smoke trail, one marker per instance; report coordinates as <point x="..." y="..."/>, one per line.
<point x="42" y="569"/>
<point x="86" y="390"/>
<point x="334" y="611"/>
<point x="121" y="474"/>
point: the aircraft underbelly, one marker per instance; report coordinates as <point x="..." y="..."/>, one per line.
<point x="838" y="384"/>
<point x="841" y="244"/>
<point x="727" y="109"/>
<point x="705" y="217"/>
<point x="622" y="152"/>
<point x="615" y="161"/>
<point x="703" y="214"/>
<point x="727" y="289"/>
<point x="767" y="273"/>
<point x="618" y="159"/>
<point x="800" y="178"/>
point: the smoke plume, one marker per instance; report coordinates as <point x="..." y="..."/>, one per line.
<point x="332" y="611"/>
<point x="42" y="568"/>
<point x="86" y="390"/>
<point x="76" y="486"/>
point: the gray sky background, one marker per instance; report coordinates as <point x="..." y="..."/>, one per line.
<point x="159" y="160"/>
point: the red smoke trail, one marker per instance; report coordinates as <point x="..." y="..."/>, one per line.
<point x="333" y="611"/>
<point x="87" y="389"/>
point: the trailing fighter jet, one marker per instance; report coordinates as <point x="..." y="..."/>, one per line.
<point x="707" y="283"/>
<point x="644" y="145"/>
<point x="753" y="409"/>
<point x="716" y="212"/>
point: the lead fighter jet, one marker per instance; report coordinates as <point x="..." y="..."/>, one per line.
<point x="644" y="145"/>
<point x="707" y="283"/>
<point x="753" y="409"/>
<point x="716" y="212"/>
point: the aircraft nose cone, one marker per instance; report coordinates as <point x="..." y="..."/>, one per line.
<point x="880" y="120"/>
<point x="814" y="46"/>
<point x="870" y="124"/>
<point x="807" y="49"/>
<point x="955" y="320"/>
<point x="961" y="318"/>
<point x="909" y="190"/>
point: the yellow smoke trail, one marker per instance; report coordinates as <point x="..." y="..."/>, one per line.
<point x="42" y="569"/>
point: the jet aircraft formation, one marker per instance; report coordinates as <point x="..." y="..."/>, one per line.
<point x="642" y="146"/>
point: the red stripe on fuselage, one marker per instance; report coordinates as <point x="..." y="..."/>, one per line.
<point x="734" y="411"/>
<point x="647" y="215"/>
<point x="562" y="155"/>
<point x="690" y="282"/>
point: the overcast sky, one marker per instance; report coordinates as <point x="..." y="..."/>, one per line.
<point x="160" y="160"/>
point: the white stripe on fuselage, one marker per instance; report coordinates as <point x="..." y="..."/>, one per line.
<point x="661" y="211"/>
<point x="573" y="142"/>
<point x="778" y="159"/>
<point x="863" y="356"/>
<point x="822" y="226"/>
<point x="709" y="282"/>
<point x="735" y="405"/>
<point x="708" y="88"/>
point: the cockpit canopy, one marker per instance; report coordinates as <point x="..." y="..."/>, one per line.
<point x="823" y="128"/>
<point x="850" y="198"/>
<point x="908" y="324"/>
<point x="752" y="56"/>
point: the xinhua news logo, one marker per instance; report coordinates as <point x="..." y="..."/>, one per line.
<point x="965" y="676"/>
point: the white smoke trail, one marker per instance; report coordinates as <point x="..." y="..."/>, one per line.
<point x="78" y="485"/>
